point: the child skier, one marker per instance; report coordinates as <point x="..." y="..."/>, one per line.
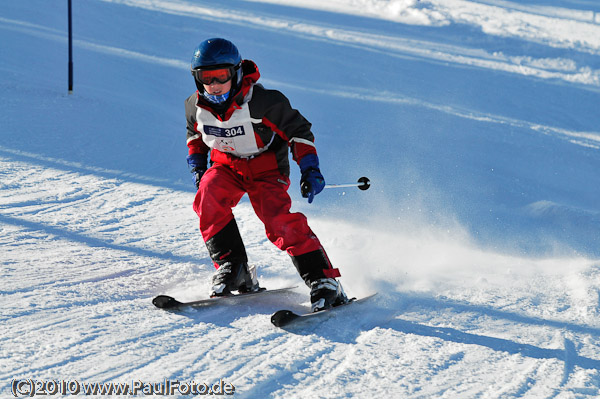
<point x="247" y="130"/>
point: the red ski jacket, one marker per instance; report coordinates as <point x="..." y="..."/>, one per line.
<point x="253" y="134"/>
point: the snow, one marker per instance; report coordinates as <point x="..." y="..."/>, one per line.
<point x="476" y="121"/>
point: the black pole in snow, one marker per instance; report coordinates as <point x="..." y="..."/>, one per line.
<point x="70" y="50"/>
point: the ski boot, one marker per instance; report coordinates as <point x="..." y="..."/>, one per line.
<point x="234" y="277"/>
<point x="326" y="293"/>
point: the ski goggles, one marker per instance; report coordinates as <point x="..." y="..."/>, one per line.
<point x="208" y="76"/>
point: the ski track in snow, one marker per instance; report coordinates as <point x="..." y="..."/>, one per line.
<point x="82" y="311"/>
<point x="84" y="249"/>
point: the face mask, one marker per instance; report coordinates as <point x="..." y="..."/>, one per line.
<point x="216" y="98"/>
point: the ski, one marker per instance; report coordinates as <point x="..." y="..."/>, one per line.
<point x="168" y="302"/>
<point x="285" y="318"/>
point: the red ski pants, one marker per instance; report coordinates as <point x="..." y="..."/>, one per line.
<point x="220" y="191"/>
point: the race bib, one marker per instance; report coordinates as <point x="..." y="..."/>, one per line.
<point x="234" y="136"/>
<point x="224" y="132"/>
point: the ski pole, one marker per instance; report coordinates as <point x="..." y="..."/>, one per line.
<point x="363" y="184"/>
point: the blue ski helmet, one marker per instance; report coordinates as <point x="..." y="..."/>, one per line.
<point x="215" y="52"/>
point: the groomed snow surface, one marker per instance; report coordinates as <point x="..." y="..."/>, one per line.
<point x="476" y="121"/>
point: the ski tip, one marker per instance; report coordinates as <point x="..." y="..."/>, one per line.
<point x="165" y="302"/>
<point x="283" y="317"/>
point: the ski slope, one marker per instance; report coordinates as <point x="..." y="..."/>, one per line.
<point x="476" y="121"/>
